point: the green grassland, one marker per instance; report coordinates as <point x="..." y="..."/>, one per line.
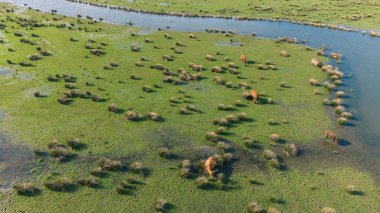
<point x="298" y="112"/>
<point x="355" y="13"/>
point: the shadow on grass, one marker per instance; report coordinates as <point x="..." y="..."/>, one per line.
<point x="343" y="142"/>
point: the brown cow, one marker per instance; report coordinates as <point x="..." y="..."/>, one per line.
<point x="209" y="165"/>
<point x="243" y="58"/>
<point x="331" y="135"/>
<point x="255" y="96"/>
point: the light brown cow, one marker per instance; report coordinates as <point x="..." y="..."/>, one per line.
<point x="209" y="165"/>
<point x="331" y="135"/>
<point x="243" y="58"/>
<point x="255" y="96"/>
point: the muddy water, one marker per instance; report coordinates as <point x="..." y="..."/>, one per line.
<point x="15" y="158"/>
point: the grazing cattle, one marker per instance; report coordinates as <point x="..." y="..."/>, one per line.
<point x="316" y="63"/>
<point x="243" y="58"/>
<point x="331" y="135"/>
<point x="209" y="165"/>
<point x="255" y="96"/>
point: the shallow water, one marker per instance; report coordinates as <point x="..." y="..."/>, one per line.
<point x="15" y="160"/>
<point x="361" y="53"/>
<point x="4" y="71"/>
<point x="228" y="43"/>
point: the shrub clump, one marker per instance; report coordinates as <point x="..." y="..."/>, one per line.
<point x="313" y="82"/>
<point x="253" y="207"/>
<point x="241" y="116"/>
<point x="269" y="154"/>
<point x="153" y="116"/>
<point x="136" y="167"/>
<point x="192" y="108"/>
<point x="328" y="210"/>
<point x="284" y="53"/>
<point x="99" y="172"/>
<point x="342" y="120"/>
<point x="61" y="184"/>
<point x="74" y="143"/>
<point x="201" y="182"/>
<point x="90" y="182"/>
<point x="290" y="150"/>
<point x="160" y="204"/>
<point x="274" y="137"/>
<point x="61" y="153"/>
<point x="133" y="116"/>
<point x="147" y="89"/>
<point x="113" y="107"/>
<point x="185" y="168"/>
<point x="272" y="210"/>
<point x="110" y="165"/>
<point x="163" y="152"/>
<point x="25" y="188"/>
<point x="212" y="136"/>
<point x="351" y="189"/>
